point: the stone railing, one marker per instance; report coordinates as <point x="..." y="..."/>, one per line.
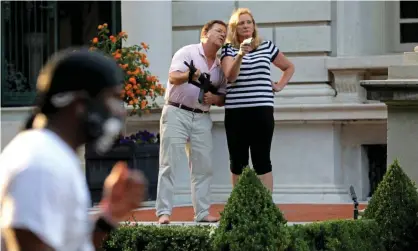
<point x="400" y="93"/>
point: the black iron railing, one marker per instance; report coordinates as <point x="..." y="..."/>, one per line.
<point x="29" y="36"/>
<point x="31" y="31"/>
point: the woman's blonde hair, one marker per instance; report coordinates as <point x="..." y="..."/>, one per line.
<point x="232" y="36"/>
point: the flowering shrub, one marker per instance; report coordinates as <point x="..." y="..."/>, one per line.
<point x="141" y="137"/>
<point x="141" y="88"/>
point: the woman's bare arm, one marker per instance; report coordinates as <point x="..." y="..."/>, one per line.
<point x="288" y="68"/>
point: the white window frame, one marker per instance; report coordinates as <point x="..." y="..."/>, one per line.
<point x="401" y="47"/>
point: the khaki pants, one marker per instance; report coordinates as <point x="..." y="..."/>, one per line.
<point x="177" y="126"/>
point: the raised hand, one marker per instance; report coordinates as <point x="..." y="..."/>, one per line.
<point x="245" y="47"/>
<point x="194" y="73"/>
<point x="124" y="190"/>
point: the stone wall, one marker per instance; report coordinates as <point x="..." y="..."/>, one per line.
<point x="300" y="29"/>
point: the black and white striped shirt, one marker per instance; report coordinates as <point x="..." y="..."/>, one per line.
<point x="253" y="85"/>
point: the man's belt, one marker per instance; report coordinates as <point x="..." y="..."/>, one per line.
<point x="181" y="106"/>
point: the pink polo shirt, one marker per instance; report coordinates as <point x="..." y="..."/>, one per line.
<point x="187" y="94"/>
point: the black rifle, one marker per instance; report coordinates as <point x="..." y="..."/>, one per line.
<point x="205" y="84"/>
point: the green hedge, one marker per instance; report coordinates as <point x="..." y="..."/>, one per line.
<point x="342" y="235"/>
<point x="251" y="222"/>
<point x="156" y="238"/>
<point x="339" y="235"/>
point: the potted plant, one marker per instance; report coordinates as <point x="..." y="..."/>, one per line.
<point x="139" y="94"/>
<point x="141" y="88"/>
<point x="140" y="150"/>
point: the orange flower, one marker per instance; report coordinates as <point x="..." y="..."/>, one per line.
<point x="145" y="46"/>
<point x="113" y="39"/>
<point x="117" y="56"/>
<point x="123" y="34"/>
<point x="131" y="102"/>
<point x="105" y="25"/>
<point x="143" y="104"/>
<point x="141" y="55"/>
<point x="136" y="72"/>
<point x="132" y="80"/>
<point x="100" y="27"/>
<point x="149" y="78"/>
<point x="145" y="62"/>
<point x="123" y="66"/>
<point x="95" y="40"/>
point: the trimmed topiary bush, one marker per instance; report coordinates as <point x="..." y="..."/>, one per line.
<point x="250" y="220"/>
<point x="394" y="206"/>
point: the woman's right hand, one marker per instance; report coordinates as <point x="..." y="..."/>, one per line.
<point x="244" y="49"/>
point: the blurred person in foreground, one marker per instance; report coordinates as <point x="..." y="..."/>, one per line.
<point x="43" y="192"/>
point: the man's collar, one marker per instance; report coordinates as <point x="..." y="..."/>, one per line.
<point x="202" y="53"/>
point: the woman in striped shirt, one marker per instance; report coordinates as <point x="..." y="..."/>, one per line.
<point x="249" y="102"/>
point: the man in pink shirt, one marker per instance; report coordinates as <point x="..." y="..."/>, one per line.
<point x="185" y="120"/>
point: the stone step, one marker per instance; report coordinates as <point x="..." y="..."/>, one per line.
<point x="188" y="223"/>
<point x="292" y="212"/>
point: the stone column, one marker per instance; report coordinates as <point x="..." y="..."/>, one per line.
<point x="361" y="31"/>
<point x="400" y="93"/>
<point x="150" y="22"/>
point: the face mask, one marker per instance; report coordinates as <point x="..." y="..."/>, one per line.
<point x="101" y="127"/>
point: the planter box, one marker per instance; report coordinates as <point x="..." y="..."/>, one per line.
<point x="144" y="157"/>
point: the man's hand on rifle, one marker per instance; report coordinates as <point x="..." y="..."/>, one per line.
<point x="210" y="99"/>
<point x="192" y="70"/>
<point x="196" y="75"/>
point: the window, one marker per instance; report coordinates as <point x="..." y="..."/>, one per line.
<point x="31" y="31"/>
<point x="406" y="25"/>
